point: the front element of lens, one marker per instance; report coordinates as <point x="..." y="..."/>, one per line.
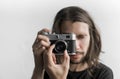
<point x="60" y="46"/>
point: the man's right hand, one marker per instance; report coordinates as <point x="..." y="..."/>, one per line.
<point x="41" y="43"/>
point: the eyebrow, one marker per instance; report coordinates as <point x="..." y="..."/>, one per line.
<point x="81" y="34"/>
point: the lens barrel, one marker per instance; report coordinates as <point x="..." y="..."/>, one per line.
<point x="60" y="46"/>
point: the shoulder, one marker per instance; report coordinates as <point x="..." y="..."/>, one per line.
<point x="101" y="71"/>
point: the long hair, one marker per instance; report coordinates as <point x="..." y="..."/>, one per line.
<point x="73" y="14"/>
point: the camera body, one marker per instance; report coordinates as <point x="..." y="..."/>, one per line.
<point x="63" y="42"/>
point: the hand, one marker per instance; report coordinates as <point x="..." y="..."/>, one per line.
<point x="56" y="71"/>
<point x="39" y="47"/>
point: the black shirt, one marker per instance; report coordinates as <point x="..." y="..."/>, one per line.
<point x="99" y="72"/>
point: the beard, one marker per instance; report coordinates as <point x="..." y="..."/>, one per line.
<point x="72" y="62"/>
<point x="78" y="62"/>
<point x="81" y="60"/>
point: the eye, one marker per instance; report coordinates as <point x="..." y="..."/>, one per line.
<point x="80" y="36"/>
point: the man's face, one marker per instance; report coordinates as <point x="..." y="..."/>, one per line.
<point x="81" y="30"/>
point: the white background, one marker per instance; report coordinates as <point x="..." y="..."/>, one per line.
<point x="20" y="20"/>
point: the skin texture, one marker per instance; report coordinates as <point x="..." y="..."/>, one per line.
<point x="82" y="38"/>
<point x="46" y="60"/>
<point x="82" y="43"/>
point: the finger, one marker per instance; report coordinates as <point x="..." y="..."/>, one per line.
<point x="43" y="37"/>
<point x="45" y="44"/>
<point x="49" y="56"/>
<point x="50" y="50"/>
<point x="66" y="60"/>
<point x="38" y="48"/>
<point x="37" y="45"/>
<point x="40" y="33"/>
<point x="44" y="30"/>
<point x="38" y="51"/>
<point x="41" y="42"/>
<point x="35" y="42"/>
<point x="54" y="58"/>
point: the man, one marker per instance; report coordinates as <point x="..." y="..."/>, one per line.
<point x="85" y="63"/>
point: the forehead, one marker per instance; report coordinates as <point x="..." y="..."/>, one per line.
<point x="74" y="27"/>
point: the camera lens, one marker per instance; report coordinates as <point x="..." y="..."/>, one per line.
<point x="60" y="46"/>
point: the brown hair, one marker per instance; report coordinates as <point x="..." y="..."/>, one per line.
<point x="73" y="14"/>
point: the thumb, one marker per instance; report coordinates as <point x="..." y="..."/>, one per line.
<point x="66" y="61"/>
<point x="49" y="56"/>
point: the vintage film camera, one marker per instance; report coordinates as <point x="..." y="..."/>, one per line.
<point x="62" y="42"/>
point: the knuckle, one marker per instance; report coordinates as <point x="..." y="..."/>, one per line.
<point x="47" y="39"/>
<point x="43" y="30"/>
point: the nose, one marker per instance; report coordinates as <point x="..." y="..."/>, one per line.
<point x="77" y="44"/>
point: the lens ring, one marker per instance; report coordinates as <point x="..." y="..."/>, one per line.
<point x="60" y="46"/>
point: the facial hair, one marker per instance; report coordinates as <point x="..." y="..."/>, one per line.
<point x="81" y="60"/>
